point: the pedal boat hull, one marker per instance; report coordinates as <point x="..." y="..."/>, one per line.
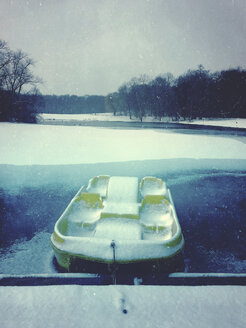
<point x="68" y="248"/>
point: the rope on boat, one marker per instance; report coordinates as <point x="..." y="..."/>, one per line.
<point x="113" y="245"/>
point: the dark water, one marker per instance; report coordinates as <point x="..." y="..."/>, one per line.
<point x="170" y="126"/>
<point x="211" y="207"/>
<point x="212" y="213"/>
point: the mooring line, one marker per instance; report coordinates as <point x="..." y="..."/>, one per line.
<point x="113" y="245"/>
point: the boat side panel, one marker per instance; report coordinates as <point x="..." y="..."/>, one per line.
<point x="96" y="249"/>
<point x="126" y="251"/>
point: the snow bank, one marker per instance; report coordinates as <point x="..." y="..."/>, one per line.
<point x="131" y="306"/>
<point x="109" y="117"/>
<point x="28" y="144"/>
<point x="229" y="122"/>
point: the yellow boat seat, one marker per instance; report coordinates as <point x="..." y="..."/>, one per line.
<point x="156" y="217"/>
<point x="120" y="210"/>
<point x="85" y="212"/>
<point x="152" y="186"/>
<point x="122" y="198"/>
<point x="98" y="185"/>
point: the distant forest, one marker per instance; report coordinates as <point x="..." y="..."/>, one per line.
<point x="196" y="94"/>
<point x="70" y="104"/>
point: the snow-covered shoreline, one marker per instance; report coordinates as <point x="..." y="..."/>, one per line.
<point x="34" y="144"/>
<point x="109" y="117"/>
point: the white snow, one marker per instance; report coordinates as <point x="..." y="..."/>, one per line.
<point x="152" y="186"/>
<point x="28" y="144"/>
<point x="123" y="306"/>
<point x="120" y="208"/>
<point x="122" y="189"/>
<point x="98" y="185"/>
<point x="158" y="215"/>
<point x="46" y="118"/>
<point x="229" y="122"/>
<point x="118" y="229"/>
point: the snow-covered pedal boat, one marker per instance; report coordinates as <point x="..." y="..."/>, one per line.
<point x="118" y="220"/>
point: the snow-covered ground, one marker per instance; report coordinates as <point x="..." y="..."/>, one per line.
<point x="229" y="122"/>
<point x="46" y="118"/>
<point x="28" y="144"/>
<point x="123" y="306"/>
<point x="85" y="117"/>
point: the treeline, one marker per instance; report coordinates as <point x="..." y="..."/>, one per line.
<point x="195" y="94"/>
<point x="71" y="104"/>
<point x="16" y="75"/>
<point x="19" y="105"/>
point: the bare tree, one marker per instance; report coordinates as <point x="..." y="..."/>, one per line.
<point x="5" y="58"/>
<point x="111" y="101"/>
<point x="16" y="73"/>
<point x="15" y="76"/>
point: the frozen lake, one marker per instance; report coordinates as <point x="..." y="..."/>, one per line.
<point x="42" y="167"/>
<point x="210" y="203"/>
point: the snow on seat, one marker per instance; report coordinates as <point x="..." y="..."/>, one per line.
<point x="118" y="229"/>
<point x="85" y="211"/>
<point x="126" y="210"/>
<point x="98" y="185"/>
<point x="123" y="189"/>
<point x="122" y="198"/>
<point x="156" y="217"/>
<point x="152" y="186"/>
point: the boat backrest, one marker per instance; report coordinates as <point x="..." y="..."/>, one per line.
<point x="155" y="200"/>
<point x="85" y="212"/>
<point x="89" y="200"/>
<point x="155" y="212"/>
<point x="123" y="190"/>
<point x="122" y="198"/>
<point x="99" y="185"/>
<point x="152" y="186"/>
<point x="120" y="210"/>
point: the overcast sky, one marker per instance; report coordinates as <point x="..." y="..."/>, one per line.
<point x="94" y="46"/>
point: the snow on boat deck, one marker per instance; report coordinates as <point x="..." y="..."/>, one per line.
<point x="118" y="229"/>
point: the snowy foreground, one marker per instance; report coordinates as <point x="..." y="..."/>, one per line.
<point x="109" y="117"/>
<point x="29" y="144"/>
<point x="123" y="306"/>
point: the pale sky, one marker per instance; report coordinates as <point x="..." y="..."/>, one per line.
<point x="94" y="46"/>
